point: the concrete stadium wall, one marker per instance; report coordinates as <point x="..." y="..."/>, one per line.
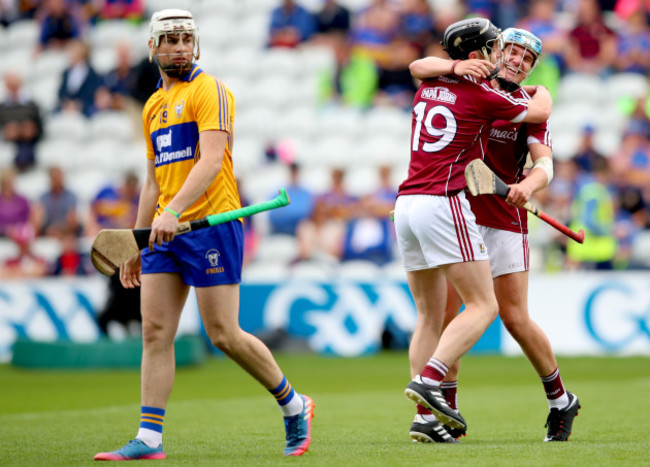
<point x="582" y="313"/>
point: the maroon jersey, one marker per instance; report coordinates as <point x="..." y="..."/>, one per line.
<point x="506" y="155"/>
<point x="451" y="126"/>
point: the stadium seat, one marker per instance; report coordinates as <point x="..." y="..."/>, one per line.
<point x="47" y="64"/>
<point x="316" y="179"/>
<point x="607" y="142"/>
<point x="388" y="121"/>
<point x="625" y="85"/>
<point x="394" y="271"/>
<point x="68" y="126"/>
<point x="87" y="182"/>
<point x="275" y="92"/>
<point x="279" y="248"/>
<point x="113" y="126"/>
<point x="362" y="180"/>
<point x="313" y="271"/>
<point x="316" y="59"/>
<point x="258" y="123"/>
<point x="48" y="248"/>
<point x="253" y="31"/>
<point x="380" y="149"/>
<point x="299" y="122"/>
<point x="8" y="249"/>
<point x="66" y="153"/>
<point x="106" y="34"/>
<point x="23" y="34"/>
<point x="241" y="61"/>
<point x="580" y="88"/>
<point x="103" y="59"/>
<point x="45" y="92"/>
<point x="32" y="184"/>
<point x="103" y="154"/>
<point x="265" y="272"/>
<point x="263" y="181"/>
<point x="335" y="151"/>
<point x="641" y="250"/>
<point x="565" y="142"/>
<point x="358" y="270"/>
<point x="248" y="154"/>
<point x="340" y="121"/>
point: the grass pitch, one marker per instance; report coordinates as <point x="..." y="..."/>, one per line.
<point x="218" y="415"/>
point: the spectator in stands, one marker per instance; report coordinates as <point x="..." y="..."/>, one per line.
<point x="26" y="265"/>
<point x="592" y="44"/>
<point x="631" y="163"/>
<point x="132" y="10"/>
<point x="20" y="121"/>
<point x="55" y="214"/>
<point x="631" y="219"/>
<point x="15" y="210"/>
<point x="291" y="24"/>
<point x="251" y="238"/>
<point x="114" y="92"/>
<point x="374" y="28"/>
<point x="633" y="47"/>
<point x="396" y="85"/>
<point x="60" y="23"/>
<point x="115" y="207"/>
<point x="286" y="220"/>
<point x="72" y="261"/>
<point x="370" y="234"/>
<point x="320" y="237"/>
<point x="417" y="23"/>
<point x="587" y="153"/>
<point x="354" y="82"/>
<point x="593" y="210"/>
<point x="332" y="18"/>
<point x="8" y="12"/>
<point x="79" y="82"/>
<point x="145" y="80"/>
<point x="541" y="21"/>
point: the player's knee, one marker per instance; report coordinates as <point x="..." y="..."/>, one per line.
<point x="222" y="339"/>
<point x="155" y="334"/>
<point x="514" y="324"/>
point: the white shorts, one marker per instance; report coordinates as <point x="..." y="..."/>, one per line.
<point x="508" y="250"/>
<point x="437" y="230"/>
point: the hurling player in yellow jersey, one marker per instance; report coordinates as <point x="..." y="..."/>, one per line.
<point x="188" y="128"/>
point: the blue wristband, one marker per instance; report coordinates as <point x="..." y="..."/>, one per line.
<point x="172" y="212"/>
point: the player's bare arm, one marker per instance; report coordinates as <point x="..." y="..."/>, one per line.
<point x="539" y="107"/>
<point x="130" y="270"/>
<point x="212" y="144"/>
<point x="431" y="67"/>
<point x="538" y="178"/>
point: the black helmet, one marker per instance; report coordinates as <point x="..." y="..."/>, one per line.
<point x="468" y="35"/>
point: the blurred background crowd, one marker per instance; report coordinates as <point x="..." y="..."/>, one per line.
<point x="323" y="98"/>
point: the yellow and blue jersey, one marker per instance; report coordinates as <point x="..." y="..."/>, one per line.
<point x="172" y="121"/>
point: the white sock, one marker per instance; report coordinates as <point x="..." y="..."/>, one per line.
<point x="293" y="407"/>
<point x="151" y="438"/>
<point x="430" y="382"/>
<point x="559" y="403"/>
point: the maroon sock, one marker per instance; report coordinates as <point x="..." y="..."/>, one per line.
<point x="434" y="370"/>
<point x="553" y="385"/>
<point x="450" y="391"/>
<point x="421" y="410"/>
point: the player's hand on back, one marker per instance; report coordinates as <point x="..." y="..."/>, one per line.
<point x="474" y="67"/>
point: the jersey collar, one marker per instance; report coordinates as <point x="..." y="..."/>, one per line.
<point x="194" y="72"/>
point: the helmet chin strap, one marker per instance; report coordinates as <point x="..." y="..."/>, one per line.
<point x="506" y="84"/>
<point x="174" y="70"/>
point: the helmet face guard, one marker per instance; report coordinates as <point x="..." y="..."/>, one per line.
<point x="468" y="35"/>
<point x="529" y="42"/>
<point x="173" y="22"/>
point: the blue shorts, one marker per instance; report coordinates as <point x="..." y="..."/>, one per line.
<point x="203" y="258"/>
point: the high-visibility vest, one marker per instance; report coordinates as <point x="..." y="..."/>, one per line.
<point x="601" y="245"/>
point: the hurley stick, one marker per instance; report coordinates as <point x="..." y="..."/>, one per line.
<point x="112" y="247"/>
<point x="482" y="181"/>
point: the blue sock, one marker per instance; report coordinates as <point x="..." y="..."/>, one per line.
<point x="290" y="402"/>
<point x="151" y="426"/>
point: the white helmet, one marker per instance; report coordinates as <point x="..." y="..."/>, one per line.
<point x="173" y="21"/>
<point x="525" y="39"/>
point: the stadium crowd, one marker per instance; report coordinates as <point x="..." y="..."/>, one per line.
<point x="77" y="72"/>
